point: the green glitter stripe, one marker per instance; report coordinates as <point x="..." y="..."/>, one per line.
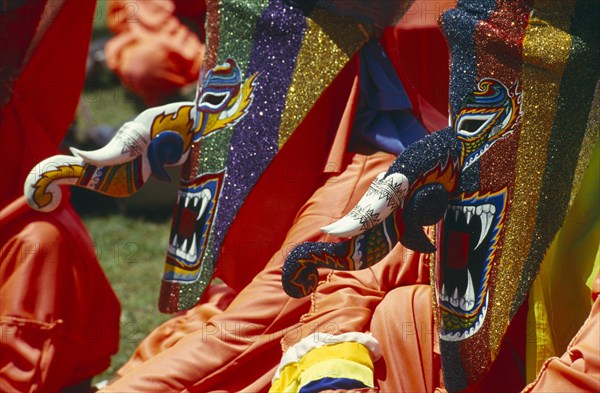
<point x="213" y="155"/>
<point x="574" y="102"/>
<point x="237" y="20"/>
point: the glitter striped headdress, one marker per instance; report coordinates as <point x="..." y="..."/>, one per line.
<point x="524" y="100"/>
<point x="284" y="55"/>
<point x="532" y="68"/>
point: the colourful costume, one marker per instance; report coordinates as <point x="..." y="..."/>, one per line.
<point x="59" y="318"/>
<point x="502" y="178"/>
<point x="251" y="122"/>
<point x="235" y="111"/>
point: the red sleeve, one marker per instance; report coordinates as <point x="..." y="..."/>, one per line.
<point x="43" y="100"/>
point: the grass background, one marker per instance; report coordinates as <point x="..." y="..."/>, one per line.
<point x="131" y="234"/>
<point x="131" y="251"/>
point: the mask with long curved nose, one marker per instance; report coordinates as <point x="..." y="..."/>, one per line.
<point x="158" y="137"/>
<point x="256" y="86"/>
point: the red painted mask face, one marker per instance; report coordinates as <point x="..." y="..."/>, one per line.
<point x="474" y="221"/>
<point x="522" y="149"/>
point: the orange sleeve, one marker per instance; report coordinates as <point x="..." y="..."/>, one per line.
<point x="130" y="15"/>
<point x="59" y="318"/>
<point x="154" y="51"/>
<point x="578" y="369"/>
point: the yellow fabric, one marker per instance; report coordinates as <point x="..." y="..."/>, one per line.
<point x="288" y="386"/>
<point x="560" y="297"/>
<point x="322" y="357"/>
<point x="352" y="351"/>
<point x="337" y="368"/>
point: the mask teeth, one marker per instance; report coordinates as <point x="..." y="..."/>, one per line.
<point x="485" y="213"/>
<point x="464" y="334"/>
<point x="188" y="250"/>
<point x="466" y="302"/>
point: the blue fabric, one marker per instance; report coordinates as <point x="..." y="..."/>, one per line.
<point x="331" y="383"/>
<point x="383" y="116"/>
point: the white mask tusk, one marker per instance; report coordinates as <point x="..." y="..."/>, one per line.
<point x="384" y="195"/>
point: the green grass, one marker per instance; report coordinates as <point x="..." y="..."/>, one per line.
<point x="99" y="28"/>
<point x="131" y="251"/>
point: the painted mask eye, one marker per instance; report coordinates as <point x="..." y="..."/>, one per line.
<point x="213" y="101"/>
<point x="221" y="84"/>
<point x="471" y="125"/>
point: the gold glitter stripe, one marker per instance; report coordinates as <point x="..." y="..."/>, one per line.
<point x="434" y="261"/>
<point x="546" y="50"/>
<point x="329" y="42"/>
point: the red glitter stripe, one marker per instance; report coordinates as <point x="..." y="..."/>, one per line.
<point x="499" y="46"/>
<point x="190" y="168"/>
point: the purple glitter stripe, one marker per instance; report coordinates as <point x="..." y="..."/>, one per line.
<point x="280" y="32"/>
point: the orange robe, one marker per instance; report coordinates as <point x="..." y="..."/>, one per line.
<point x="157" y="47"/>
<point x="238" y="349"/>
<point x="59" y="318"/>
